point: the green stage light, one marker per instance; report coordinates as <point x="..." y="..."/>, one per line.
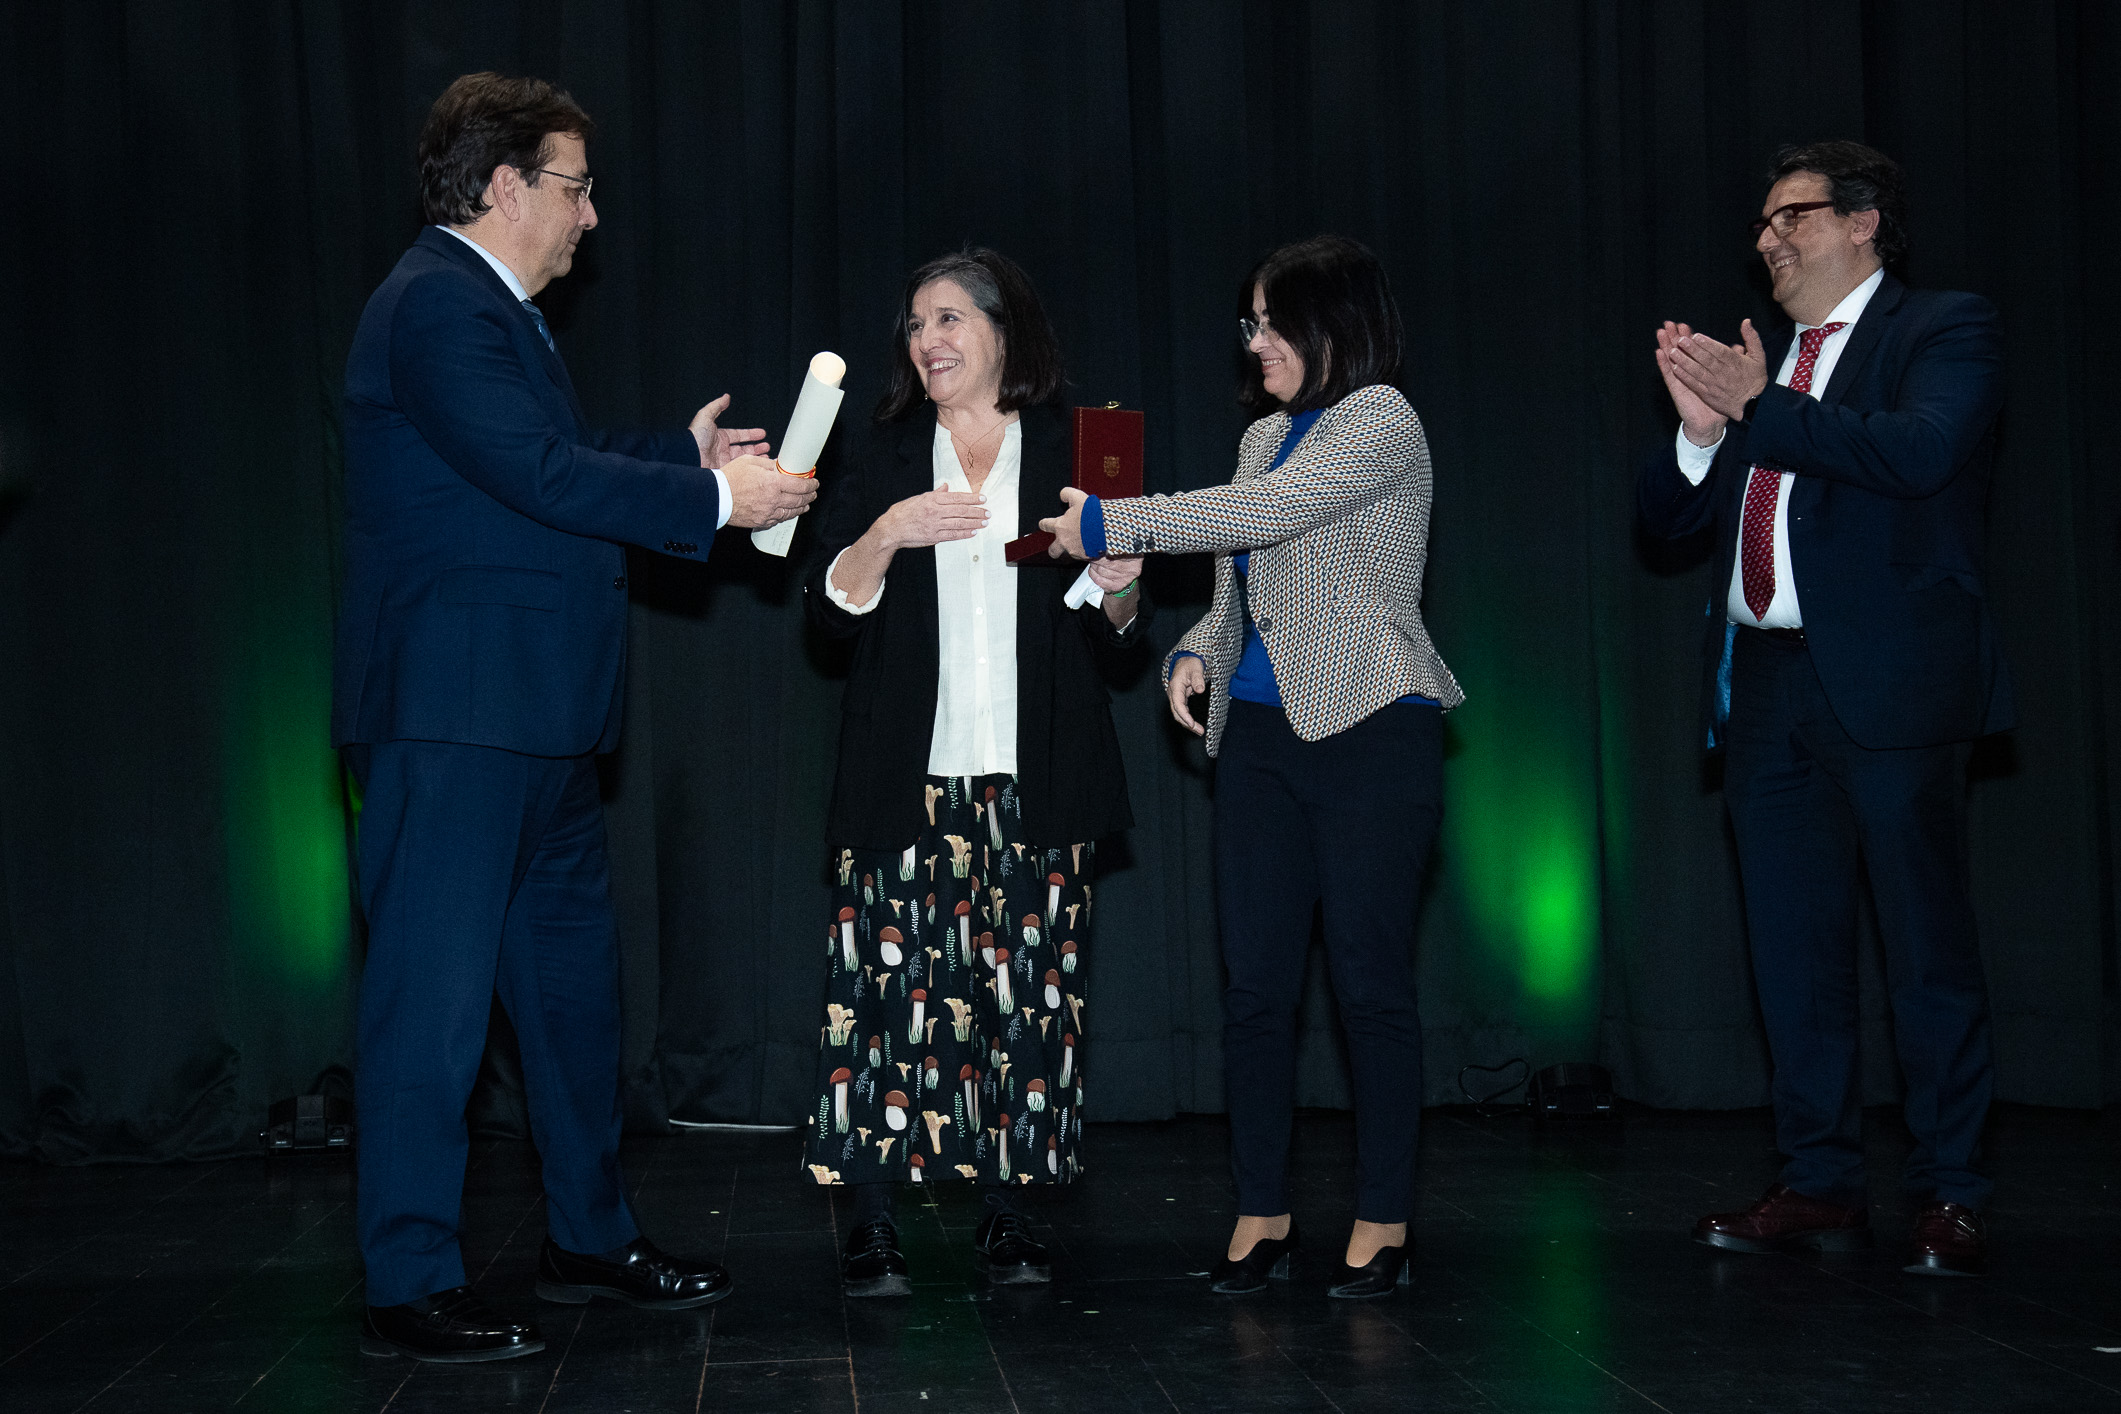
<point x="1559" y="922"/>
<point x="1521" y="834"/>
<point x="284" y="812"/>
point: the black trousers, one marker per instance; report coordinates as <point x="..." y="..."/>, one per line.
<point x="1813" y="811"/>
<point x="482" y="871"/>
<point x="1347" y="821"/>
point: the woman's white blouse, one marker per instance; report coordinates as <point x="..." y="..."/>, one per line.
<point x="975" y="592"/>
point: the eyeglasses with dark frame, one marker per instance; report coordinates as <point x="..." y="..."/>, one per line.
<point x="579" y="192"/>
<point x="1250" y="329"/>
<point x="1784" y="218"/>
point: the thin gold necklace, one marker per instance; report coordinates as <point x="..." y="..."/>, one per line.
<point x="972" y="449"/>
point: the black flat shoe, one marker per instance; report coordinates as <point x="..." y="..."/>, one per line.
<point x="645" y="1277"/>
<point x="1007" y="1252"/>
<point x="872" y="1265"/>
<point x="1268" y="1260"/>
<point x="1374" y="1278"/>
<point x="450" y="1327"/>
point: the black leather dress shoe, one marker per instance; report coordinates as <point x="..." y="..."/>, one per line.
<point x="1005" y="1250"/>
<point x="1374" y="1278"/>
<point x="1268" y="1260"/>
<point x="872" y="1265"/>
<point x="644" y="1276"/>
<point x="451" y="1327"/>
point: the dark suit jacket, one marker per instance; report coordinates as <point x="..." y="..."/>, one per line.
<point x="485" y="597"/>
<point x="1885" y="518"/>
<point x="1067" y="754"/>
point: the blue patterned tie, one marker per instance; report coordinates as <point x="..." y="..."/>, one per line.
<point x="539" y="320"/>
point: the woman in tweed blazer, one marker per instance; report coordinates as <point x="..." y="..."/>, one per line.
<point x="1326" y="700"/>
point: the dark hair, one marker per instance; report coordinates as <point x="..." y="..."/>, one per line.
<point x="484" y="121"/>
<point x="1330" y="302"/>
<point x="1032" y="371"/>
<point x="1858" y="178"/>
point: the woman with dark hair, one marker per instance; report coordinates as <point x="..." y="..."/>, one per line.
<point x="978" y="767"/>
<point x="1326" y="702"/>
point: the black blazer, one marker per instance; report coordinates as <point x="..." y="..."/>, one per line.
<point x="485" y="594"/>
<point x="1067" y="754"/>
<point x="1886" y="519"/>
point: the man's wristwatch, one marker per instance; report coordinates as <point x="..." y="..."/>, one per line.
<point x="1745" y="414"/>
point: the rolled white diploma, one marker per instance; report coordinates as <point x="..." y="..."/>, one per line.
<point x="808" y="427"/>
<point x="1084" y="591"/>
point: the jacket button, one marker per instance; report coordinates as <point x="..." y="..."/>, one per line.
<point x="619" y="583"/>
<point x="1266" y="624"/>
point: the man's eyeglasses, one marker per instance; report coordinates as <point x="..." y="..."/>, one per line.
<point x="1785" y="218"/>
<point x="1250" y="329"/>
<point x="579" y="192"/>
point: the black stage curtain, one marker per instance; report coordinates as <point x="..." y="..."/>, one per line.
<point x="203" y="196"/>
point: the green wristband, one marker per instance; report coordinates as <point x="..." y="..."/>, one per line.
<point x="1123" y="593"/>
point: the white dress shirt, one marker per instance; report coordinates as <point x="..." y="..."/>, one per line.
<point x="1694" y="461"/>
<point x="515" y="287"/>
<point x="975" y="593"/>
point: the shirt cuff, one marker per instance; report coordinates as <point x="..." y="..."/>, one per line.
<point x="839" y="596"/>
<point x="721" y="484"/>
<point x="1094" y="528"/>
<point x="1694" y="462"/>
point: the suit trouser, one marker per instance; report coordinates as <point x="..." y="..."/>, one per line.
<point x="1347" y="821"/>
<point x="1813" y="812"/>
<point x="481" y="871"/>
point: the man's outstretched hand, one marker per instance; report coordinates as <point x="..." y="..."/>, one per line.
<point x="761" y="494"/>
<point x="720" y="445"/>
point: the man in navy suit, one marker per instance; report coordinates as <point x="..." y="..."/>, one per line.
<point x="481" y="650"/>
<point x="1850" y="663"/>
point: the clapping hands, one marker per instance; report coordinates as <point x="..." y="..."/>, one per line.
<point x="1710" y="382"/>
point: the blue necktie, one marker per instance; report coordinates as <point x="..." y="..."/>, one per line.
<point x="539" y="320"/>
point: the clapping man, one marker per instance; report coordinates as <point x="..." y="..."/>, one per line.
<point x="481" y="652"/>
<point x="1850" y="661"/>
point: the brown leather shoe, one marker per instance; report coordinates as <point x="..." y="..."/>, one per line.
<point x="1950" y="1241"/>
<point x="1785" y="1221"/>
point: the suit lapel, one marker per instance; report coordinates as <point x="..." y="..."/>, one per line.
<point x="1732" y="490"/>
<point x="557" y="371"/>
<point x="1779" y="352"/>
<point x="555" y="366"/>
<point x="1870" y="328"/>
<point x="916" y="452"/>
<point x="1251" y="466"/>
<point x="451" y="248"/>
<point x="1044" y="469"/>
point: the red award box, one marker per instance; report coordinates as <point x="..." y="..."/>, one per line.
<point x="1108" y="463"/>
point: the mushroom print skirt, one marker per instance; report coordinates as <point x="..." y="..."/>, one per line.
<point x="954" y="1010"/>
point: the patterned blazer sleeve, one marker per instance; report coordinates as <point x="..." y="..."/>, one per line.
<point x="1361" y="450"/>
<point x="1206" y="638"/>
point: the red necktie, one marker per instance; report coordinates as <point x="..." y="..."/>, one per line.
<point x="1756" y="536"/>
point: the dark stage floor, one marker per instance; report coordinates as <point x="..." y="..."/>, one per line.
<point x="1554" y="1274"/>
